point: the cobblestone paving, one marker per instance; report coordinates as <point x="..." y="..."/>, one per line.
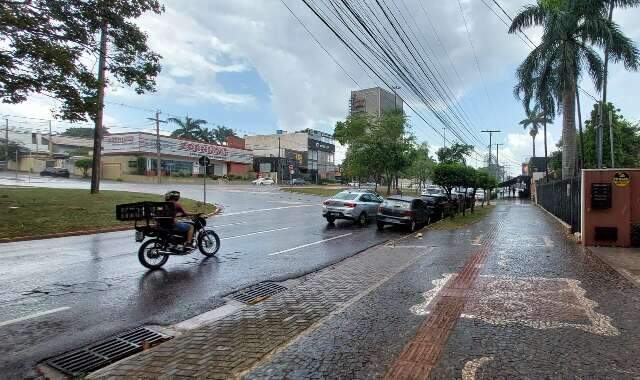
<point x="544" y="308"/>
<point x="235" y="343"/>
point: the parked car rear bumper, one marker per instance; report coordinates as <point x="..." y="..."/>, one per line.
<point x="386" y="219"/>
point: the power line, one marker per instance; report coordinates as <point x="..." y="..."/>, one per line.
<point x="319" y="43"/>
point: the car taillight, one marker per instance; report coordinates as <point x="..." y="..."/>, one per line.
<point x="408" y="213"/>
<point x="380" y="209"/>
<point x="350" y="204"/>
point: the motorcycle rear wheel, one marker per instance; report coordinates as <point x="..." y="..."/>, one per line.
<point x="148" y="256"/>
<point x="208" y="243"/>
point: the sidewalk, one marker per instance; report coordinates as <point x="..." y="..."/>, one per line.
<point x="509" y="297"/>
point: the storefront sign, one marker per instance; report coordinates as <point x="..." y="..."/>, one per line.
<point x="621" y="179"/>
<point x="321" y="146"/>
<point x="600" y="196"/>
<point x="147" y="143"/>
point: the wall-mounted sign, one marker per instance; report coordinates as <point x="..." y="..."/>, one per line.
<point x="321" y="146"/>
<point x="621" y="179"/>
<point x="600" y="196"/>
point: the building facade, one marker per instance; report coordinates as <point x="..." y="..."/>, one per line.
<point x="136" y="154"/>
<point x="373" y="101"/>
<point x="307" y="154"/>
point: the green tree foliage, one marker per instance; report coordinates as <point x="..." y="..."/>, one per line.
<point x="221" y="133"/>
<point x="49" y="47"/>
<point x="449" y="175"/>
<point x="421" y="168"/>
<point x="83" y="132"/>
<point x="84" y="164"/>
<point x="572" y="31"/>
<point x="378" y="146"/>
<point x="454" y="154"/>
<point x="626" y="138"/>
<point x="11" y="153"/>
<point x="188" y="128"/>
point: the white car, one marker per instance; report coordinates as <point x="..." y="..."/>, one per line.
<point x="263" y="181"/>
<point x="432" y="190"/>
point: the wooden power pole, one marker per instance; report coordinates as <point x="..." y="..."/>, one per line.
<point x="98" y="130"/>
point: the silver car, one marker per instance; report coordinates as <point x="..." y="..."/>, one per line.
<point x="359" y="206"/>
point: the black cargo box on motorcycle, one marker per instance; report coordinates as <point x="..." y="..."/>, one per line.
<point x="145" y="211"/>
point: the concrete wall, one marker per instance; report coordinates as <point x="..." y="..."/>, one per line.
<point x="624" y="211"/>
<point x="267" y="145"/>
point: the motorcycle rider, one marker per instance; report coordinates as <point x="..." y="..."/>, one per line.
<point x="181" y="227"/>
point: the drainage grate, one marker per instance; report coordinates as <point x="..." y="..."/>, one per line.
<point x="98" y="355"/>
<point x="259" y="292"/>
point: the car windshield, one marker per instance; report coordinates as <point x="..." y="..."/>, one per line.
<point x="345" y="196"/>
<point x="396" y="203"/>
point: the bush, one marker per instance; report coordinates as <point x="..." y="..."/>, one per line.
<point x="84" y="164"/>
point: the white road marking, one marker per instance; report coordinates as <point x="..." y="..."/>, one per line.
<point x="31" y="316"/>
<point x="265" y="209"/>
<point x="227" y="225"/>
<point x="256" y="233"/>
<point x="310" y="244"/>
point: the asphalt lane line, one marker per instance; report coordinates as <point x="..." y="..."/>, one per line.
<point x="310" y="244"/>
<point x="227" y="225"/>
<point x="31" y="316"/>
<point x="256" y="233"/>
<point x="265" y="209"/>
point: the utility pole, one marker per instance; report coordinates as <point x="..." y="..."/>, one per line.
<point x="613" y="161"/>
<point x="279" y="165"/>
<point x="599" y="137"/>
<point x="97" y="132"/>
<point x="497" y="158"/>
<point x="158" y="121"/>
<point x="490" y="132"/>
<point x="50" y="143"/>
<point x="6" y="142"/>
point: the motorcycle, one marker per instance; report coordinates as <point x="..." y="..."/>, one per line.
<point x="165" y="242"/>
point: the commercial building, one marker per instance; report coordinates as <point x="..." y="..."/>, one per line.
<point x="307" y="154"/>
<point x="374" y="101"/>
<point x="136" y="154"/>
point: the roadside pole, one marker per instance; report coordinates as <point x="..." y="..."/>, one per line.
<point x="158" y="163"/>
<point x="204" y="161"/>
<point x="6" y="143"/>
<point x="50" y="143"/>
<point x="613" y="161"/>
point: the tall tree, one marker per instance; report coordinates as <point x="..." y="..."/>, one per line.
<point x="549" y="75"/>
<point x="534" y="120"/>
<point x="626" y="137"/>
<point x="45" y="46"/>
<point x="421" y="167"/>
<point x="454" y="154"/>
<point x="187" y="128"/>
<point x="79" y="132"/>
<point x="221" y="133"/>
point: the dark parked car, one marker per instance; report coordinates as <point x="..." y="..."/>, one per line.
<point x="439" y="205"/>
<point x="297" y="181"/>
<point x="55" y="172"/>
<point x="403" y="210"/>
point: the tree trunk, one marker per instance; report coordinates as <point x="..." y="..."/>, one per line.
<point x="534" y="145"/>
<point x="569" y="129"/>
<point x="581" y="160"/>
<point x="546" y="157"/>
<point x="97" y="132"/>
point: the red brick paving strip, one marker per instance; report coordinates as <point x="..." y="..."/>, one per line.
<point x="421" y="354"/>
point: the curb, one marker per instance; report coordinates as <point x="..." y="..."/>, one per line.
<point x="565" y="225"/>
<point x="80" y="233"/>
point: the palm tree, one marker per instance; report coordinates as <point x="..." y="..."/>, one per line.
<point x="534" y="120"/>
<point x="221" y="133"/>
<point x="187" y="128"/>
<point x="550" y="74"/>
<point x="206" y="135"/>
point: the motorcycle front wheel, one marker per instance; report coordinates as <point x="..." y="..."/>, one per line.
<point x="208" y="243"/>
<point x="149" y="255"/>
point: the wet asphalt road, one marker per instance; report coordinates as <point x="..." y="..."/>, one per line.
<point x="94" y="285"/>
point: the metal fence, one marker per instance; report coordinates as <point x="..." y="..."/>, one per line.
<point x="562" y="199"/>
